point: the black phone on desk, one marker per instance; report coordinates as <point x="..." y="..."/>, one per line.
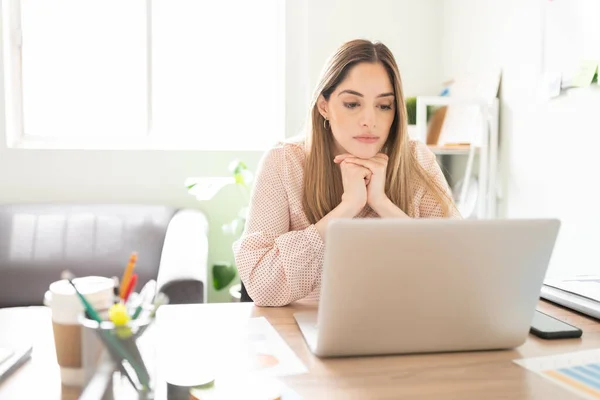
<point x="547" y="327"/>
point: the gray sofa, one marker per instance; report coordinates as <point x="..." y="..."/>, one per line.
<point x="39" y="241"/>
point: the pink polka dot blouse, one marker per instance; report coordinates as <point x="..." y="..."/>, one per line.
<point x="280" y="254"/>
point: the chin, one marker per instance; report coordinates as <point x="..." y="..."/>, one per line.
<point x="364" y="150"/>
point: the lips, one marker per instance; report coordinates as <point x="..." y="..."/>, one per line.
<point x="367" y="138"/>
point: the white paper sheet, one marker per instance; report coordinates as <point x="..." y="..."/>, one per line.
<point x="227" y="348"/>
<point x="578" y="372"/>
<point x="586" y="286"/>
<point x="267" y="352"/>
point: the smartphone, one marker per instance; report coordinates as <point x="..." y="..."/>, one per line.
<point x="548" y="327"/>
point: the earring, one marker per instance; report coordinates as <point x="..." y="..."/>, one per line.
<point x="326" y="124"/>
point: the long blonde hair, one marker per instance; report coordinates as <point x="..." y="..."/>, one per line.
<point x="322" y="178"/>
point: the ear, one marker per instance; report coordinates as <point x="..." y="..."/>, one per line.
<point x="323" y="106"/>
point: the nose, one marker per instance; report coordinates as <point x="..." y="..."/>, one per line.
<point x="367" y="118"/>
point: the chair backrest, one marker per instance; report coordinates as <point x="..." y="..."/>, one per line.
<point x="244" y="297"/>
<point x="39" y="241"/>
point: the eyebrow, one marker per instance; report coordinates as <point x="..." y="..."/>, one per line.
<point x="361" y="95"/>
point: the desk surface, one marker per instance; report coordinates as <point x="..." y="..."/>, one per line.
<point x="472" y="375"/>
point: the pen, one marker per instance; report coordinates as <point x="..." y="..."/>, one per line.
<point x="130" y="287"/>
<point x="138" y="311"/>
<point x="146" y="297"/>
<point x="115" y="289"/>
<point x="127" y="274"/>
<point x="160" y="300"/>
<point x="88" y="307"/>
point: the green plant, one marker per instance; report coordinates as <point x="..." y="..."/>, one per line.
<point x="411" y="110"/>
<point x="224" y="273"/>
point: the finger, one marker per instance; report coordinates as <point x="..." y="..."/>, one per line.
<point x="367" y="176"/>
<point x="342" y="157"/>
<point x="382" y="157"/>
<point x="339" y="158"/>
<point x="363" y="170"/>
<point x="370" y="164"/>
<point x="349" y="163"/>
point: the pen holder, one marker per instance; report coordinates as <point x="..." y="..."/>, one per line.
<point x="123" y="347"/>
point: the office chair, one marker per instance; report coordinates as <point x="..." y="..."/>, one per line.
<point x="244" y="297"/>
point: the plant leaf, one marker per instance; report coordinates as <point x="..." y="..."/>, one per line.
<point x="239" y="179"/>
<point x="205" y="188"/>
<point x="411" y="110"/>
<point x="223" y="275"/>
<point x="237" y="166"/>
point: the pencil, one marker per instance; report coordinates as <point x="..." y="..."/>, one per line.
<point x="127" y="274"/>
<point x="130" y="287"/>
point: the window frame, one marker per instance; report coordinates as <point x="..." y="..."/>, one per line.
<point x="17" y="138"/>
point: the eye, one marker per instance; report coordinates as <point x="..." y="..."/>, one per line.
<point x="385" y="107"/>
<point x="350" y="105"/>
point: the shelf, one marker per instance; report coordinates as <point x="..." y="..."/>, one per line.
<point x="450" y="150"/>
<point x="485" y="168"/>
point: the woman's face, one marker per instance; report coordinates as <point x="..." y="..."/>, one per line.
<point x="361" y="110"/>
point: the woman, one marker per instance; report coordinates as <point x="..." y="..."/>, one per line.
<point x="356" y="161"/>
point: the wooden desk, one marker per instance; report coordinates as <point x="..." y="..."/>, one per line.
<point x="473" y="375"/>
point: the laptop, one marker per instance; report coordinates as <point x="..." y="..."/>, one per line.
<point x="394" y="286"/>
<point x="580" y="293"/>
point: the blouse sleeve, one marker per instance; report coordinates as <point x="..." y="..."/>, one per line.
<point x="276" y="265"/>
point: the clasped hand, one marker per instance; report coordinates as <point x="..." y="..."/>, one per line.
<point x="363" y="179"/>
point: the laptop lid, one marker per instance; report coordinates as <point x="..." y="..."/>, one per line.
<point x="405" y="286"/>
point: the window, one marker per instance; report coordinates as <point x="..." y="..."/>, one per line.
<point x="142" y="73"/>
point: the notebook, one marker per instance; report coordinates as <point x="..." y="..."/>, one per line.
<point x="580" y="293"/>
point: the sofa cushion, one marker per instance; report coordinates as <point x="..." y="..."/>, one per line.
<point x="39" y="241"/>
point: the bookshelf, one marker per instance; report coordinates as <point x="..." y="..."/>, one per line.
<point x="483" y="146"/>
<point x="450" y="150"/>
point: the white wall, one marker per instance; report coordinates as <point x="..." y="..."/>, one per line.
<point x="547" y="147"/>
<point x="156" y="177"/>
<point x="411" y="29"/>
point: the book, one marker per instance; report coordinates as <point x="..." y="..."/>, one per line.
<point x="587" y="286"/>
<point x="580" y="293"/>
